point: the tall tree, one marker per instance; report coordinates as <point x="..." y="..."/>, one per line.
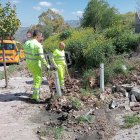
<point x="9" y="23"/>
<point x="51" y="18"/>
<point x="47" y="30"/>
<point x="98" y="14"/>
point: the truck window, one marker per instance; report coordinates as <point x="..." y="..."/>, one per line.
<point x="7" y="46"/>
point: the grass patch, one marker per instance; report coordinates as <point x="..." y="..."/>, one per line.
<point x="58" y="131"/>
<point x="85" y="119"/>
<point x="130" y="121"/>
<point x="85" y="92"/>
<point x="76" y="103"/>
<point x="55" y="132"/>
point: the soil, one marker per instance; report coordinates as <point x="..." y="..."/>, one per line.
<point x="21" y="119"/>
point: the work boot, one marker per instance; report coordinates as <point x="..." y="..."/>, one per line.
<point x="36" y="98"/>
<point x="63" y="89"/>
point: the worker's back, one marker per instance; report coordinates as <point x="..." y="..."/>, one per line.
<point x="31" y="50"/>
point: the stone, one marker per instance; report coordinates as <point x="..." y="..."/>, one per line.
<point x="133" y="98"/>
<point x="119" y="88"/>
<point x="127" y="87"/>
<point x="135" y="108"/>
<point x="113" y="89"/>
<point x="127" y="108"/>
<point x="113" y="104"/>
<point x="136" y="92"/>
<point x="134" y="104"/>
<point x="124" y="103"/>
<point x="103" y="96"/>
<point x="126" y="94"/>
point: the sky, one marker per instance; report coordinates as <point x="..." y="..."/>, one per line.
<point x="29" y="10"/>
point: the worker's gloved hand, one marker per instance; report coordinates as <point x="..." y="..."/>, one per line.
<point x="48" y="67"/>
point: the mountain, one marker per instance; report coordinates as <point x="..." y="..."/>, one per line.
<point x="73" y="23"/>
<point x="21" y="34"/>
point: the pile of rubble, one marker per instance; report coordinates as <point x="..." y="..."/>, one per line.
<point x="127" y="96"/>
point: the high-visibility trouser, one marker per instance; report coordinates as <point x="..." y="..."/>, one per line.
<point x="36" y="72"/>
<point x="61" y="75"/>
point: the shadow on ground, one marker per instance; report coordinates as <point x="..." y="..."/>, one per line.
<point x="44" y="82"/>
<point x="25" y="97"/>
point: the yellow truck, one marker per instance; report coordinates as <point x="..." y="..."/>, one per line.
<point x="13" y="51"/>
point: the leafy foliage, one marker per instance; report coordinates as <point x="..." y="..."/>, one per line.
<point x="52" y="19"/>
<point x="9" y="23"/>
<point x="98" y="14"/>
<point x="114" y="68"/>
<point x="123" y="38"/>
<point x="47" y="30"/>
<point x="65" y="34"/>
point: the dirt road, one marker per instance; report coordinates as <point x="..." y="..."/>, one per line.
<point x="1" y="68"/>
<point x="15" y="113"/>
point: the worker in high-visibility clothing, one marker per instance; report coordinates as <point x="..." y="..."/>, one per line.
<point x="60" y="63"/>
<point x="34" y="56"/>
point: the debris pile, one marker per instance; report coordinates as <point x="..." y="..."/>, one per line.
<point x="72" y="86"/>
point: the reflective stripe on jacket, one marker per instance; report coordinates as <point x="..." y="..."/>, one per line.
<point x="59" y="57"/>
<point x="33" y="51"/>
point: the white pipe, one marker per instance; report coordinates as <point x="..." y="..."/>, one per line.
<point x="57" y="84"/>
<point x="102" y="77"/>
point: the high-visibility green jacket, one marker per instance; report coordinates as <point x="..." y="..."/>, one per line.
<point x="33" y="51"/>
<point x="59" y="57"/>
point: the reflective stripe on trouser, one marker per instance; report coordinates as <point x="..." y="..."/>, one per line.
<point x="37" y="76"/>
<point x="61" y="75"/>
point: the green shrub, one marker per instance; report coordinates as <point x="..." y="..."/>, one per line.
<point x="116" y="67"/>
<point x="75" y="47"/>
<point x="51" y="43"/>
<point x="89" y="48"/>
<point x="65" y="35"/>
<point x="98" y="51"/>
<point x="123" y="38"/>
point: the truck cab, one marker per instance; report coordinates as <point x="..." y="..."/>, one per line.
<point x="13" y="51"/>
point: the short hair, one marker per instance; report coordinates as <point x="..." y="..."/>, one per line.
<point x="36" y="33"/>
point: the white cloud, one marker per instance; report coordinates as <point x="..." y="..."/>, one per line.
<point x="59" y="3"/>
<point x="37" y="8"/>
<point x="45" y="4"/>
<point x="78" y="13"/>
<point x="57" y="11"/>
<point x="15" y="1"/>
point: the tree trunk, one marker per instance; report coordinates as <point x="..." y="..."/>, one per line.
<point x="4" y="64"/>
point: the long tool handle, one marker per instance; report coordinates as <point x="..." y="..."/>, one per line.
<point x="57" y="84"/>
<point x="68" y="73"/>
